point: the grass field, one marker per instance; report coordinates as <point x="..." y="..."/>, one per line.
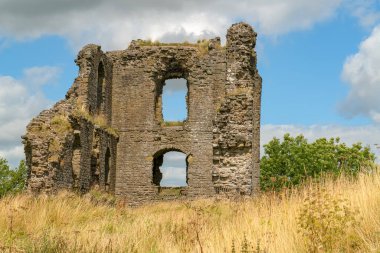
<point x="343" y="217"/>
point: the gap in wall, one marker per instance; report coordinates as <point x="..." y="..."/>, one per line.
<point x="173" y="170"/>
<point x="174" y="104"/>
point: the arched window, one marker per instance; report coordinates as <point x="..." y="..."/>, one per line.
<point x="170" y="169"/>
<point x="95" y="165"/>
<point x="107" y="169"/>
<point x="172" y="102"/>
<point x="100" y="89"/>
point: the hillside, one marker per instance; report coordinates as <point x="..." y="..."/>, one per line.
<point x="343" y="217"/>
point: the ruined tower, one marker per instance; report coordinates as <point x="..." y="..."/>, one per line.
<point x="109" y="129"/>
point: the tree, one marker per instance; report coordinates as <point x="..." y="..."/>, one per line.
<point x="12" y="181"/>
<point x="289" y="162"/>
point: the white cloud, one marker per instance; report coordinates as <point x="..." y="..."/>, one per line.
<point x="20" y="101"/>
<point x="174" y="159"/>
<point x="174" y="156"/>
<point x="173" y="169"/>
<point x="13" y="155"/>
<point x="277" y="17"/>
<point x="173" y="176"/>
<point x="175" y="85"/>
<point x="38" y="76"/>
<point x="362" y="73"/>
<point x="368" y="135"/>
<point x="114" y="23"/>
<point x="365" y="10"/>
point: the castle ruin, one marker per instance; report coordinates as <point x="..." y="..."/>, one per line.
<point x="109" y="132"/>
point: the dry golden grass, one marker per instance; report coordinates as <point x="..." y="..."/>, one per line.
<point x="60" y="124"/>
<point x="98" y="120"/>
<point x="68" y="223"/>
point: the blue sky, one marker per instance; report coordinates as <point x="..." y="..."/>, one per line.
<point x="174" y="100"/>
<point x="319" y="61"/>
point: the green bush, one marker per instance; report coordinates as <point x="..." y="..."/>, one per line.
<point x="289" y="162"/>
<point x="12" y="181"/>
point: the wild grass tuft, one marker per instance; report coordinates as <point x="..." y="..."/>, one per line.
<point x="98" y="120"/>
<point x="60" y="124"/>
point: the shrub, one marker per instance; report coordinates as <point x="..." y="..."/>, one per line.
<point x="12" y="181"/>
<point x="289" y="162"/>
<point x="326" y="221"/>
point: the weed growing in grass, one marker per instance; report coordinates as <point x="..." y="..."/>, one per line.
<point x="233" y="249"/>
<point x="197" y="220"/>
<point x="325" y="221"/>
<point x="248" y="247"/>
<point x="11" y="231"/>
<point x="50" y="244"/>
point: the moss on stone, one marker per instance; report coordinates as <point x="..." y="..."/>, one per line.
<point x="172" y="123"/>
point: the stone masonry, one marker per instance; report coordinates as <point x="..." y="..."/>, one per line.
<point x="109" y="132"/>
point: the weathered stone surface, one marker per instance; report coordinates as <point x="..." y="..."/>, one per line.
<point x="109" y="132"/>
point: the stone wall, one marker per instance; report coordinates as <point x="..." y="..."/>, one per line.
<point x="65" y="146"/>
<point x="237" y="123"/>
<point x="113" y="134"/>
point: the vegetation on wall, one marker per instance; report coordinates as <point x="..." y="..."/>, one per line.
<point x="291" y="161"/>
<point x="98" y="120"/>
<point x="60" y="124"/>
<point x="201" y="45"/>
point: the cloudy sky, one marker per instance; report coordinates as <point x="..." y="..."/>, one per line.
<point x="319" y="60"/>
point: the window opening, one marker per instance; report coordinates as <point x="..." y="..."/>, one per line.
<point x="174" y="101"/>
<point x="170" y="169"/>
<point x="100" y="88"/>
<point x="107" y="169"/>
